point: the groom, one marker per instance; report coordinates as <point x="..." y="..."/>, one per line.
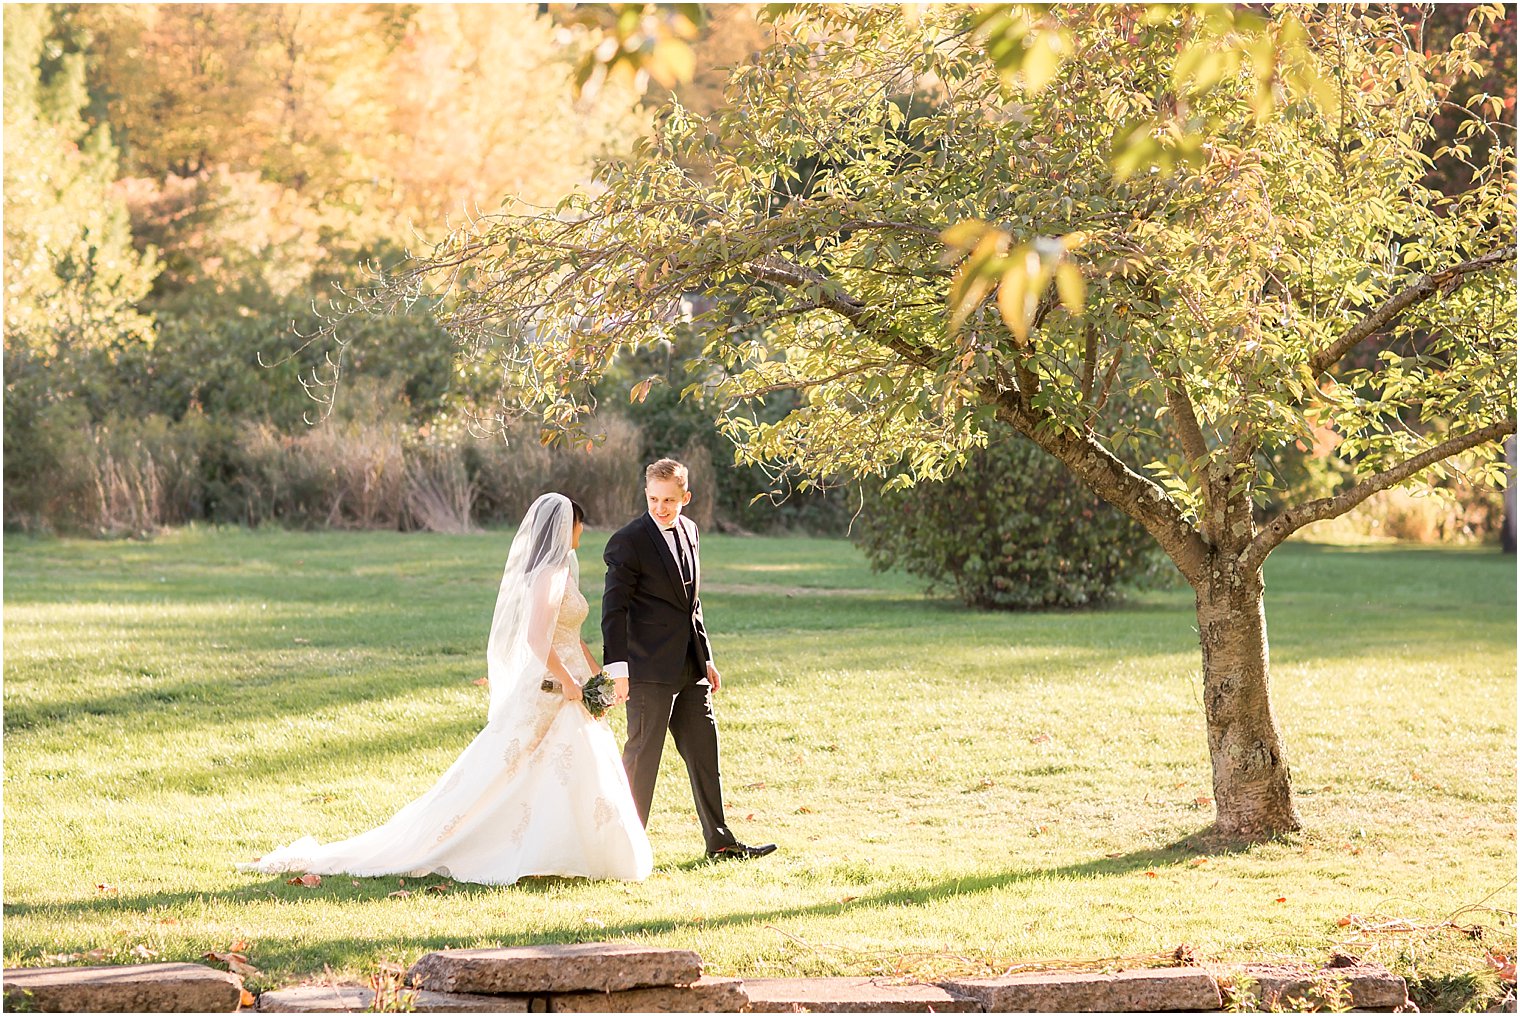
<point x="656" y="650"/>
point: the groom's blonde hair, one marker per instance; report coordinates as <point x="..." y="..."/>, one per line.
<point x="665" y="469"/>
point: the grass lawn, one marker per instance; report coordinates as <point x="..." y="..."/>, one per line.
<point x="951" y="790"/>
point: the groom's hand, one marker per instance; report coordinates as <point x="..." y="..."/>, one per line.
<point x="713" y="677"/>
<point x="619" y="690"/>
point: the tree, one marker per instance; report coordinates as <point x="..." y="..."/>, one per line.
<point x="72" y="276"/>
<point x="1207" y="209"/>
<point x="472" y="129"/>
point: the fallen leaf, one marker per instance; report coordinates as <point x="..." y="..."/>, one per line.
<point x="750" y="817"/>
<point x="109" y="890"/>
<point x="241" y="967"/>
<point x="755" y="786"/>
<point x="240" y="946"/>
<point x="236" y="962"/>
<point x="400" y="894"/>
<point x="481" y="682"/>
<point x="804" y="810"/>
<point x="97" y="954"/>
<point x="58" y="959"/>
<point x="1040" y="738"/>
<point x="1037" y="830"/>
<point x="308" y="880"/>
<point x="1195" y="862"/>
<point x="247" y="1000"/>
<point x="848" y="899"/>
<point x="441" y="887"/>
<point x="169" y="920"/>
<point x="1345" y="921"/>
<point x="1151" y="874"/>
<point x="1202" y="802"/>
<point x="354" y="881"/>
<point x="1116" y="853"/>
<point x="1281" y="899"/>
<point x="1504" y="965"/>
<point x="142" y="952"/>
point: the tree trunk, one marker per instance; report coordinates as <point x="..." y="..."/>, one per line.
<point x="1253" y="791"/>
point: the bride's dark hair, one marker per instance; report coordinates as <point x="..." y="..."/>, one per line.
<point x="545" y="540"/>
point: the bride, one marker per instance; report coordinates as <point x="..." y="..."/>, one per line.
<point x="541" y="790"/>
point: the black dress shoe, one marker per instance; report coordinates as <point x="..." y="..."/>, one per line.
<point x="740" y="852"/>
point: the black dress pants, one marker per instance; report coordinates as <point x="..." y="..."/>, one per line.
<point x="685" y="709"/>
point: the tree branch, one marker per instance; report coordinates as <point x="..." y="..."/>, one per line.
<point x="1185" y="423"/>
<point x="1102" y="471"/>
<point x="1418" y="291"/>
<point x="1089" y="361"/>
<point x="777" y="269"/>
<point x="1107" y="476"/>
<point x="797" y="384"/>
<point x="1290" y="520"/>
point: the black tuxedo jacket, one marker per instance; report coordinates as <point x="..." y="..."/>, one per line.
<point x="647" y="619"/>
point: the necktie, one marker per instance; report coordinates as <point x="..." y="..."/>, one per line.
<point x="683" y="560"/>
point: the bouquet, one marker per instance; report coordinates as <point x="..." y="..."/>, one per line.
<point x="598" y="694"/>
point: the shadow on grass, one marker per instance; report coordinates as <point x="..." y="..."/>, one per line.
<point x="277" y="952"/>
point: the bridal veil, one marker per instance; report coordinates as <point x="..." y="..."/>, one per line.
<point x="539" y="564"/>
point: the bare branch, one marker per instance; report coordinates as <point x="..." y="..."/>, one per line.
<point x="1419" y="290"/>
<point x="1291" y="519"/>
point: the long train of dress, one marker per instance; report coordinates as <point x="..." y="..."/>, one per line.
<point x="541" y="791"/>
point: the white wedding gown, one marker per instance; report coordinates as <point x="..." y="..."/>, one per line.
<point x="540" y="791"/>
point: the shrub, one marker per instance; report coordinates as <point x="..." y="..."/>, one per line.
<point x="438" y="493"/>
<point x="343" y="475"/>
<point x="1011" y="530"/>
<point x="47" y="478"/>
<point x="509" y="471"/>
<point x="119" y="477"/>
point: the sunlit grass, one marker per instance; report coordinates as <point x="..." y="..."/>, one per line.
<point x="949" y="788"/>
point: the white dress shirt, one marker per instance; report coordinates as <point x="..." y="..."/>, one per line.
<point x="619" y="669"/>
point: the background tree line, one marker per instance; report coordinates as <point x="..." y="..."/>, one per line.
<point x="185" y="182"/>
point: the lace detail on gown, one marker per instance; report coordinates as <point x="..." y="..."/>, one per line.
<point x="540" y="791"/>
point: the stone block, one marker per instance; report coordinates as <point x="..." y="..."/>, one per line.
<point x="852" y="994"/>
<point x="546" y="969"/>
<point x="359" y="998"/>
<point x="709" y="994"/>
<point x="1166" y="989"/>
<point x="144" y="987"/>
<point x="1371" y="986"/>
